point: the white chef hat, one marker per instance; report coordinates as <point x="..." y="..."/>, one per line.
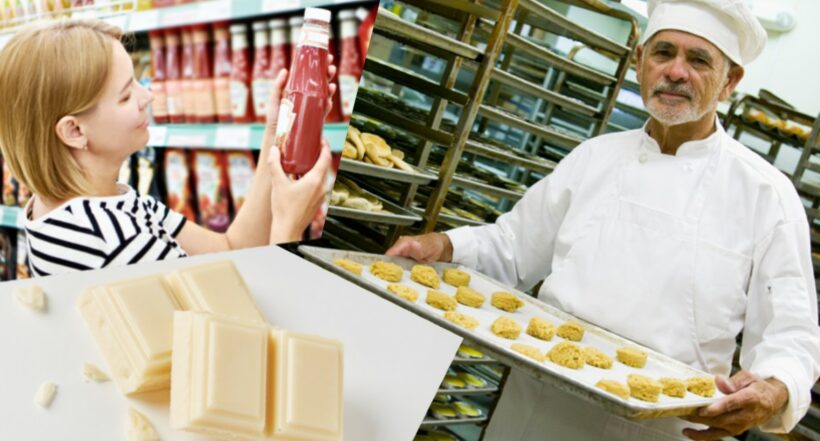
<point x="728" y="24"/>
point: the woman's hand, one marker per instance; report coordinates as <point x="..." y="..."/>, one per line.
<point x="294" y="203"/>
<point x="278" y="90"/>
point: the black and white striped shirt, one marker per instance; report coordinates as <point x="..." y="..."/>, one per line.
<point x="95" y="232"/>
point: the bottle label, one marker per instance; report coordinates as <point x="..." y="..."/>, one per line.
<point x="222" y="88"/>
<point x="348" y="87"/>
<point x="261" y="95"/>
<point x="314" y="37"/>
<point x="174" y="100"/>
<point x="239" y="99"/>
<point x="204" y="90"/>
<point x="159" y="106"/>
<point x="284" y="123"/>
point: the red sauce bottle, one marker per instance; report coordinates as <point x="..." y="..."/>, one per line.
<point x="279" y="46"/>
<point x="173" y="85"/>
<point x="302" y="110"/>
<point x="188" y="92"/>
<point x="159" y="107"/>
<point x="367" y="17"/>
<point x="222" y="73"/>
<point x="350" y="68"/>
<point x="204" y="107"/>
<point x="241" y="103"/>
<point x="261" y="82"/>
<point x="335" y="114"/>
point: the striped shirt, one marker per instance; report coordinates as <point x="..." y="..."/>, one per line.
<point x="95" y="232"/>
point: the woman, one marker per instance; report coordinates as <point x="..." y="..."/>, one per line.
<point x="71" y="113"/>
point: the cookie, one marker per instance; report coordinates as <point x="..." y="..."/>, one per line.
<point x="644" y="388"/>
<point x="631" y="357"/>
<point x="440" y="300"/>
<point x="703" y="386"/>
<point x="462" y="320"/>
<point x="541" y="329"/>
<point x="567" y="354"/>
<point x="506" y="328"/>
<point x="387" y="271"/>
<point x="425" y="275"/>
<point x="506" y="301"/>
<point x="597" y="358"/>
<point x="673" y="387"/>
<point x="403" y="291"/>
<point x="529" y="351"/>
<point x="456" y="277"/>
<point x="349" y="265"/>
<point x="571" y="331"/>
<point x="469" y="297"/>
<point x="614" y="387"/>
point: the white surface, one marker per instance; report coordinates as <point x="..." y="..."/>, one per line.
<point x="394" y="360"/>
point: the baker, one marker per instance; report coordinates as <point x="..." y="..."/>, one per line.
<point x="675" y="236"/>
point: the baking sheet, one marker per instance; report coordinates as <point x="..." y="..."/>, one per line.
<point x="395" y="174"/>
<point x="392" y="213"/>
<point x="580" y="382"/>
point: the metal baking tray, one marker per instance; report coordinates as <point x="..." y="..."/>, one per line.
<point x="580" y="382"/>
<point x="483" y="187"/>
<point x="393" y="174"/>
<point x="393" y="214"/>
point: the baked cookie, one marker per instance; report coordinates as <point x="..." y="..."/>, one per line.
<point x="529" y="351"/>
<point x="595" y="357"/>
<point x="469" y="297"/>
<point x="541" y="329"/>
<point x="456" y="277"/>
<point x="465" y="321"/>
<point x="703" y="386"/>
<point x="571" y="331"/>
<point x="349" y="265"/>
<point x="614" y="387"/>
<point x="567" y="354"/>
<point x="425" y="275"/>
<point x="403" y="291"/>
<point x="453" y="382"/>
<point x="644" y="388"/>
<point x="506" y="301"/>
<point x="387" y="271"/>
<point x="469" y="352"/>
<point x="440" y="300"/>
<point x="631" y="357"/>
<point x="472" y="380"/>
<point x="506" y="328"/>
<point x="673" y="387"/>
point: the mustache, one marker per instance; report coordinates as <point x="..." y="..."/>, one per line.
<point x="677" y="89"/>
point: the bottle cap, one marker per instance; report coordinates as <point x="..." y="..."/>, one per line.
<point x="317" y="14"/>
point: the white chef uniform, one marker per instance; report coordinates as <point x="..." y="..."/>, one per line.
<point x="679" y="253"/>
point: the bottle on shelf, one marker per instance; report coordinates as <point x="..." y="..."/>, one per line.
<point x="222" y="73"/>
<point x="367" y="20"/>
<point x="295" y="23"/>
<point x="335" y="112"/>
<point x="241" y="102"/>
<point x="159" y="107"/>
<point x="303" y="107"/>
<point x="279" y="46"/>
<point x="349" y="64"/>
<point x="173" y="85"/>
<point x="188" y="93"/>
<point x="204" y="107"/>
<point x="261" y="80"/>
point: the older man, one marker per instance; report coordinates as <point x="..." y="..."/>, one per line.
<point x="675" y="236"/>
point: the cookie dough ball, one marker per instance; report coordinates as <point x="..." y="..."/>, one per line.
<point x="349" y="265"/>
<point x="644" y="388"/>
<point x="506" y="328"/>
<point x="456" y="277"/>
<point x="465" y="321"/>
<point x="673" y="387"/>
<point x="387" y="271"/>
<point x="631" y="357"/>
<point x="595" y="357"/>
<point x="425" y="275"/>
<point x="571" y="331"/>
<point x="506" y="301"/>
<point x="469" y="297"/>
<point x="614" y="387"/>
<point x="403" y="291"/>
<point x="541" y="329"/>
<point x="703" y="386"/>
<point x="529" y="351"/>
<point x="440" y="300"/>
<point x="567" y="354"/>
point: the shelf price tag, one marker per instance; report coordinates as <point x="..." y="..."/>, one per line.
<point x="233" y="137"/>
<point x="156" y="136"/>
<point x="144" y="20"/>
<point x="188" y="140"/>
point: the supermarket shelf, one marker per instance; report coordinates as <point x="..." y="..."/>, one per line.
<point x="393" y="174"/>
<point x="413" y="80"/>
<point x="11" y="217"/>
<point x="227" y="136"/>
<point x="467" y="391"/>
<point x="582" y="33"/>
<point x="486" y="188"/>
<point x="392" y="26"/>
<point x="542" y="131"/>
<point x="473" y="146"/>
<point x="541" y="92"/>
<point x="418" y="128"/>
<point x="431" y="422"/>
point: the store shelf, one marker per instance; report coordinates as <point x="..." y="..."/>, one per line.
<point x="545" y="132"/>
<point x="393" y="174"/>
<point x="469" y="184"/>
<point x="537" y="91"/>
<point x="473" y="146"/>
<point x="12" y="217"/>
<point x="227" y="136"/>
<point x="392" y="26"/>
<point x="431" y="422"/>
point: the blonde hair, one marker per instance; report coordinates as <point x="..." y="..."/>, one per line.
<point x="48" y="71"/>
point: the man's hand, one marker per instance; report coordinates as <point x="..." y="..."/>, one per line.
<point x="749" y="402"/>
<point x="430" y="247"/>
